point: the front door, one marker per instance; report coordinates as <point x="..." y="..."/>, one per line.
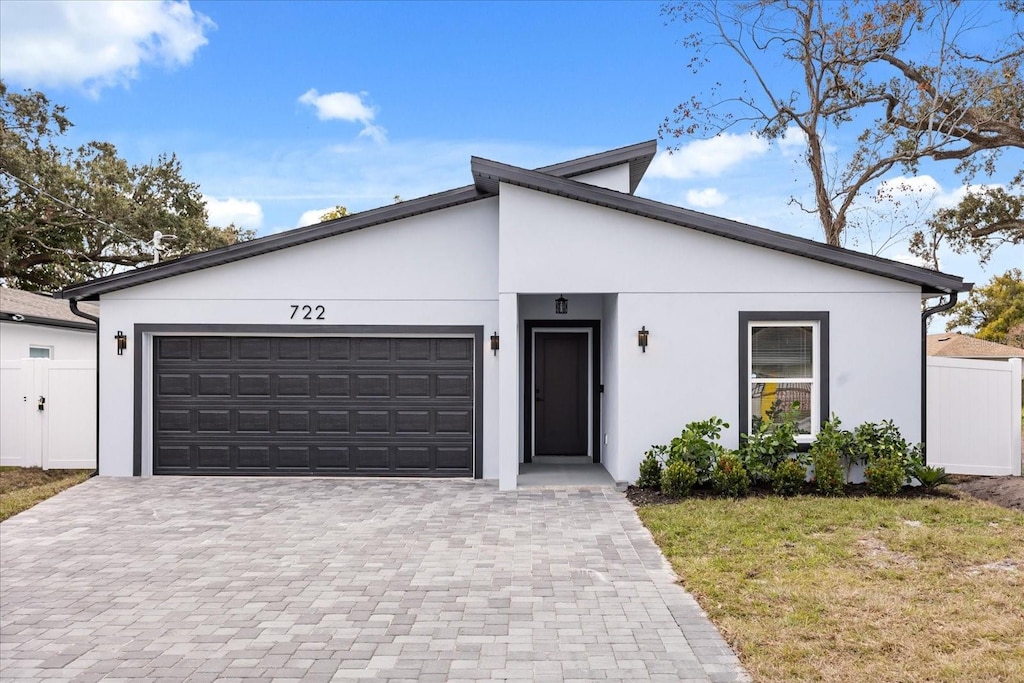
<point x="561" y="384"/>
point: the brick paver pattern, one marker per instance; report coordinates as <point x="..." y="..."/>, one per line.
<point x="203" y="579"/>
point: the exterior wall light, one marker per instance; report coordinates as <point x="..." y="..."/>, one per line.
<point x="494" y="343"/>
<point x="561" y="305"/>
<point x="641" y="338"/>
<point x="122" y="342"/>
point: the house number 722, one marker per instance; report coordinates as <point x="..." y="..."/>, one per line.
<point x="307" y="312"/>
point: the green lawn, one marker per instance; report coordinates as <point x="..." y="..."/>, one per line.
<point x="23" y="487"/>
<point x="859" y="589"/>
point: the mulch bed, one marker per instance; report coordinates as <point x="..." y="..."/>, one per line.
<point x="639" y="496"/>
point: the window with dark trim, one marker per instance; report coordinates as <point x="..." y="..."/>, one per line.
<point x="783" y="360"/>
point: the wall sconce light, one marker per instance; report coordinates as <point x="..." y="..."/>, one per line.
<point x="561" y="305"/>
<point x="494" y="343"/>
<point x="122" y="342"/>
<point x="641" y="338"/>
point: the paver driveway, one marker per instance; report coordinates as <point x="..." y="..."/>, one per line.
<point x="327" y="579"/>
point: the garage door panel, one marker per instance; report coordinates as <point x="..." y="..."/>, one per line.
<point x="313" y="405"/>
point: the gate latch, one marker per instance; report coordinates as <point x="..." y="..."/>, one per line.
<point x="42" y="403"/>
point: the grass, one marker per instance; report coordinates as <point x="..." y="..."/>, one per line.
<point x="23" y="487"/>
<point x="865" y="589"/>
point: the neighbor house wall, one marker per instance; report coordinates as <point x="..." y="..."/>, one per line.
<point x="67" y="344"/>
<point x="435" y="269"/>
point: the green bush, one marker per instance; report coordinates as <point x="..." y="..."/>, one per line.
<point x="729" y="477"/>
<point x="885" y="475"/>
<point x="769" y="443"/>
<point x="678" y="478"/>
<point x="890" y="460"/>
<point x="930" y="477"/>
<point x="698" y="445"/>
<point x="828" y="472"/>
<point x="830" y="454"/>
<point x="650" y="471"/>
<point x="789" y="477"/>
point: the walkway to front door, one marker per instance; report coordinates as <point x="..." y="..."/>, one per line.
<point x="208" y="578"/>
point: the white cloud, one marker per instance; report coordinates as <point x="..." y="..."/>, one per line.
<point x="910" y="259"/>
<point x="707" y="198"/>
<point x="707" y="157"/>
<point x="924" y="190"/>
<point x="312" y="217"/>
<point x="241" y="212"/>
<point x="793" y="140"/>
<point x="345" y="106"/>
<point x="93" y="45"/>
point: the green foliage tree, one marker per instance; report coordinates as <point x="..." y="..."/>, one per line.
<point x="994" y="311"/>
<point x="338" y="211"/>
<point x="68" y="215"/>
<point x="901" y="76"/>
<point x="983" y="220"/>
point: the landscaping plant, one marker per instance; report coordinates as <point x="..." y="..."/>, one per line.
<point x="890" y="460"/>
<point x="698" y="445"/>
<point x="678" y="478"/>
<point x="769" y="444"/>
<point x="830" y="449"/>
<point x="930" y="477"/>
<point x="729" y="477"/>
<point x="789" y="477"/>
<point x="650" y="470"/>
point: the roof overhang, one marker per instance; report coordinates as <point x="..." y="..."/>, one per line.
<point x="20" y="319"/>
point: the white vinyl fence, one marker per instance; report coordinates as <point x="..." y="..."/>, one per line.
<point x="48" y="413"/>
<point x="974" y="415"/>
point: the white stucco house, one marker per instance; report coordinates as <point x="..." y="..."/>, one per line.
<point x="39" y="326"/>
<point x="47" y="382"/>
<point x="531" y="313"/>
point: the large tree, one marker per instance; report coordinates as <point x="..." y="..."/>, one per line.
<point x="68" y="215"/>
<point x="994" y="312"/>
<point x="897" y="81"/>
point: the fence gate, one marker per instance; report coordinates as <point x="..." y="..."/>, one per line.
<point x="48" y="413"/>
<point x="974" y="415"/>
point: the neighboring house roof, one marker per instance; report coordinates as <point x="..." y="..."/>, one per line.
<point x="42" y="309"/>
<point x="555" y="179"/>
<point x="965" y="346"/>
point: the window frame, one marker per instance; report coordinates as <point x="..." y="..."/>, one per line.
<point x="40" y="347"/>
<point x="819" y="322"/>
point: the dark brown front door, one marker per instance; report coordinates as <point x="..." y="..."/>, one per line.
<point x="560" y="393"/>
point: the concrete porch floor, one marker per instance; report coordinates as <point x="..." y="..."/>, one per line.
<point x="563" y="471"/>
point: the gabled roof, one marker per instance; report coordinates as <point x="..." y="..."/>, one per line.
<point x="556" y="179"/>
<point x="638" y="157"/>
<point x="952" y="345"/>
<point x="42" y="309"/>
<point x="488" y="176"/>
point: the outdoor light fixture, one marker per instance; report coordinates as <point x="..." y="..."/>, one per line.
<point x="641" y="338"/>
<point x="494" y="343"/>
<point x="561" y="305"/>
<point x="122" y="342"/>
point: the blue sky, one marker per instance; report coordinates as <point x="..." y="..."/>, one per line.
<point x="281" y="110"/>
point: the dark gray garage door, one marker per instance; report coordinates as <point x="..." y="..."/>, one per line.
<point x="324" y="405"/>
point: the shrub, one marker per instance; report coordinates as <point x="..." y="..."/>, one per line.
<point x="729" y="477"/>
<point x="930" y="477"/>
<point x="885" y="475"/>
<point x="830" y="449"/>
<point x="828" y="472"/>
<point x="789" y="477"/>
<point x="890" y="460"/>
<point x="698" y="445"/>
<point x="769" y="443"/>
<point x="650" y="471"/>
<point x="678" y="478"/>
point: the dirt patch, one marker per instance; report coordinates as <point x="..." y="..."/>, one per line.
<point x="1005" y="491"/>
<point x="19" y="478"/>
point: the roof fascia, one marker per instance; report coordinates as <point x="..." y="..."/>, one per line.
<point x="488" y="175"/>
<point x="638" y="156"/>
<point x="20" y="319"/>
